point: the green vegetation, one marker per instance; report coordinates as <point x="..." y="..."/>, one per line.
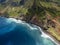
<point x="42" y="7"/>
<point x="16" y="11"/>
<point x="1" y="7"/>
<point x="54" y="33"/>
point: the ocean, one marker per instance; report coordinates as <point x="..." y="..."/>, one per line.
<point x="17" y="32"/>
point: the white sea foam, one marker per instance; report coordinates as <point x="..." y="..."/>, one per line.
<point x="17" y="21"/>
<point x="44" y="35"/>
<point x="22" y="22"/>
<point x="32" y="28"/>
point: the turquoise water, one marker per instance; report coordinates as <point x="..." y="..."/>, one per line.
<point x="17" y="32"/>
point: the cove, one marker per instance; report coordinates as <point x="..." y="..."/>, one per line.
<point x="17" y="32"/>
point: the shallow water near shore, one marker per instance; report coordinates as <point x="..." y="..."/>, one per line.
<point x="17" y="32"/>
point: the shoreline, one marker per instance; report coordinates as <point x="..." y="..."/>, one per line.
<point x="51" y="37"/>
<point x="45" y="32"/>
<point x="48" y="35"/>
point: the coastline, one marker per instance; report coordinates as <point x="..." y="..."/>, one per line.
<point x="45" y="32"/>
<point x="51" y="37"/>
<point x="48" y="35"/>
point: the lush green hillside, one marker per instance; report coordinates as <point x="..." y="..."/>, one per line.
<point x="52" y="5"/>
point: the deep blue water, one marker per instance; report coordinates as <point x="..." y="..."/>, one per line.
<point x="1" y="1"/>
<point x="17" y="32"/>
